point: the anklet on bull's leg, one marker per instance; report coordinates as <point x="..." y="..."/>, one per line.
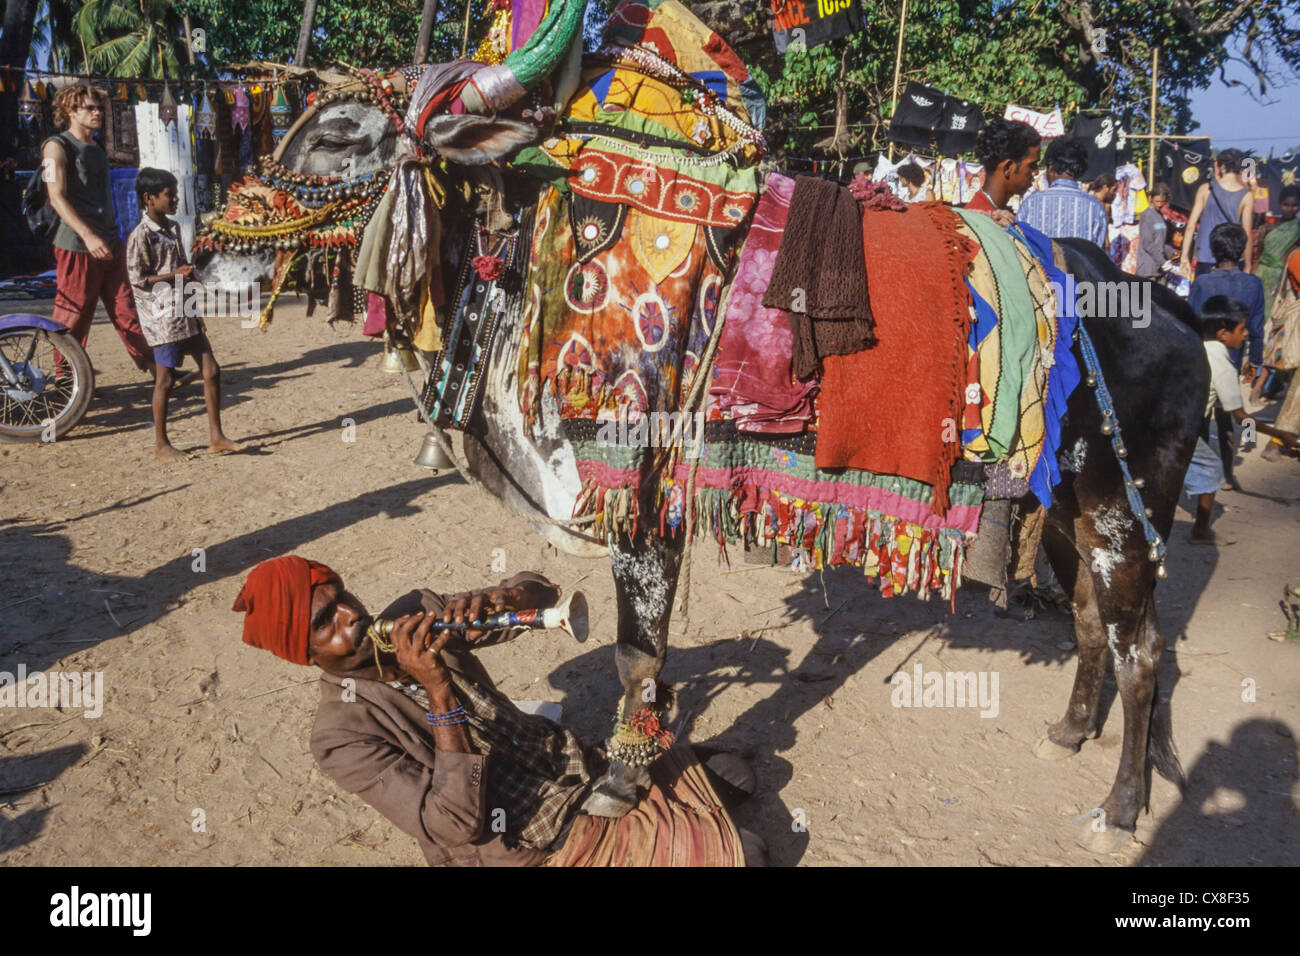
<point x="638" y="740"/>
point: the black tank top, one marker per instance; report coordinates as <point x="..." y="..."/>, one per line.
<point x="88" y="192"/>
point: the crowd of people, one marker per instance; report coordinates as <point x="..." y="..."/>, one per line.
<point x="1239" y="270"/>
<point x="141" y="281"/>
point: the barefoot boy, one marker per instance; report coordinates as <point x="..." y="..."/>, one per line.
<point x="1223" y="327"/>
<point x="157" y="268"/>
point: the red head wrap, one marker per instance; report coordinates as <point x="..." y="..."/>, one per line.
<point x="276" y="601"/>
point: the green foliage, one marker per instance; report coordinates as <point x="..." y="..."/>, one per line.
<point x="1039" y="54"/>
<point x="131" y="37"/>
<point x="350" y="31"/>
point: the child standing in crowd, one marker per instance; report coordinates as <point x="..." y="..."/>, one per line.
<point x="157" y="267"/>
<point x="1227" y="244"/>
<point x="1223" y="327"/>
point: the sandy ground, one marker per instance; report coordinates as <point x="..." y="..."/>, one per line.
<point x="200" y="756"/>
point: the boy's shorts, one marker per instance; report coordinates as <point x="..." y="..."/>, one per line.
<point x="172" y="354"/>
<point x="1205" y="473"/>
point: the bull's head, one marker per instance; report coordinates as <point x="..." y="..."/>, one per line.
<point x="316" y="192"/>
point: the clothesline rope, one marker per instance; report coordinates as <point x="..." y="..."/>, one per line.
<point x="148" y="81"/>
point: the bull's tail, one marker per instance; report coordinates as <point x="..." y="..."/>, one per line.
<point x="1160" y="743"/>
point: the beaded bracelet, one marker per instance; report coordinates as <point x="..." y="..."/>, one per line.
<point x="449" y="719"/>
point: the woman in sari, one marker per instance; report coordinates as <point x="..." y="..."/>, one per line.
<point x="1276" y="240"/>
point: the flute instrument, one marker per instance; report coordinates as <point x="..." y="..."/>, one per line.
<point x="569" y="616"/>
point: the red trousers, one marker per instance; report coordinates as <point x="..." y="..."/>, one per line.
<point x="83" y="281"/>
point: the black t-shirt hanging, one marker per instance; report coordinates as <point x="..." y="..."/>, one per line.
<point x="918" y="113"/>
<point x="959" y="125"/>
<point x="1268" y="178"/>
<point x="1183" y="166"/>
<point x="1124" y="142"/>
<point x="1098" y="135"/>
<point x="1287" y="170"/>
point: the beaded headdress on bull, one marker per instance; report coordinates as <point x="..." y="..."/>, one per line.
<point x="322" y="219"/>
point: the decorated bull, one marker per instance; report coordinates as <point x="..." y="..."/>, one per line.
<point x="578" y="247"/>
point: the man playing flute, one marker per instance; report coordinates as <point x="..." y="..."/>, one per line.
<point x="422" y="734"/>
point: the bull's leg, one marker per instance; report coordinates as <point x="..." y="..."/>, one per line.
<point x="1082" y="713"/>
<point x="1112" y="582"/>
<point x="1135" y="645"/>
<point x="645" y="581"/>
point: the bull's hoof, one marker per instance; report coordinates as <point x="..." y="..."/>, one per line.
<point x="1049" y="749"/>
<point x="1104" y="840"/>
<point x="615" y="794"/>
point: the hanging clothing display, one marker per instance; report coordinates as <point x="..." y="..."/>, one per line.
<point x="1261" y="185"/>
<point x="947" y="186"/>
<point x="1282" y="171"/>
<point x="972" y="181"/>
<point x="281" y="114"/>
<point x="126" y="206"/>
<point x="119" y="130"/>
<point x="259" y="106"/>
<point x="1124" y="142"/>
<point x="1183" y="166"/>
<point x="1098" y="136"/>
<point x="917" y="115"/>
<point x="1129" y="183"/>
<point x="226" y="141"/>
<point x="241" y="121"/>
<point x="205" y="148"/>
<point x="959" y="126"/>
<point x="167" y="145"/>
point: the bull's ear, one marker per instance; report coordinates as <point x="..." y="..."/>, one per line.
<point x="477" y="140"/>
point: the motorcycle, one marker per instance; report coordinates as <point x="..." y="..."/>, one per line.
<point x="46" y="379"/>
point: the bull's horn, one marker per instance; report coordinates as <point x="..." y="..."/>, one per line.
<point x="497" y="88"/>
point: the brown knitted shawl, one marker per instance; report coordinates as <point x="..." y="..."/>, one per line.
<point x="820" y="263"/>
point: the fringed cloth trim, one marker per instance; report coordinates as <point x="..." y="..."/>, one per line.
<point x="766" y="493"/>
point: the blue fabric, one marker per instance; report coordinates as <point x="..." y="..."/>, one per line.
<point x="715" y="80"/>
<point x="1064" y="211"/>
<point x="126" y="207"/>
<point x="172" y="354"/>
<point x="755" y="102"/>
<point x="1246" y="289"/>
<point x="986" y="320"/>
<point x="1064" y="376"/>
<point x="600" y="86"/>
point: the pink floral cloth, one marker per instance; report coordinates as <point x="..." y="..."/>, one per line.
<point x="754" y="382"/>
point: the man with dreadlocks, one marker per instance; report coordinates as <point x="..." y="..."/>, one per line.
<point x="421" y="734"/>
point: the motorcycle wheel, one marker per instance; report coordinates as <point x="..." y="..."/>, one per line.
<point x="47" y="402"/>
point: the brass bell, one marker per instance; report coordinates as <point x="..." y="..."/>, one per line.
<point x="1161" y="573"/>
<point x="397" y="357"/>
<point x="1107" y="425"/>
<point x="432" y="455"/>
<point x="1154" y="554"/>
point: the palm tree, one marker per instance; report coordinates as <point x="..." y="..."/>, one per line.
<point x="131" y="37"/>
<point x="56" y="33"/>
